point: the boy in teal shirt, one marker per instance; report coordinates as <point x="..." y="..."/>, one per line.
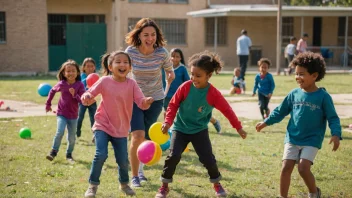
<point x="310" y="108"/>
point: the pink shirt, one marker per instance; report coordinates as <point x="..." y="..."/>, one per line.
<point x="301" y="46"/>
<point x="114" y="113"/>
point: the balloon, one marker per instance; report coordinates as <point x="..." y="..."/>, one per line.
<point x="44" y="89"/>
<point x="91" y="79"/>
<point x="165" y="146"/>
<point x="157" y="135"/>
<point x="25" y="133"/>
<point x="149" y="153"/>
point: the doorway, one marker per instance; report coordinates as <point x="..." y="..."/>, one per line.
<point x="317" y="26"/>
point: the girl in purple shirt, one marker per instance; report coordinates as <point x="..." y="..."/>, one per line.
<point x="71" y="89"/>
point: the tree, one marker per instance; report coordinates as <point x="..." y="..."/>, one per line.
<point x="318" y="2"/>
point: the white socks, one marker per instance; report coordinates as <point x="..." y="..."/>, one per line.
<point x="140" y="169"/>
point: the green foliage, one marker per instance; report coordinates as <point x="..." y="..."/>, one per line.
<point x="318" y="2"/>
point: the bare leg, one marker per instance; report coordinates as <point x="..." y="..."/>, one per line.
<point x="308" y="177"/>
<point x="233" y="90"/>
<point x="137" y="139"/>
<point x="285" y="178"/>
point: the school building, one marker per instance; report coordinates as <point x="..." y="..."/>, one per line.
<point x="37" y="36"/>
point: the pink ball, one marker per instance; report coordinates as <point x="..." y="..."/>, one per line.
<point x="149" y="152"/>
<point x="350" y="126"/>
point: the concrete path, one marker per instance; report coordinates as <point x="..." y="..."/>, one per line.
<point x="245" y="106"/>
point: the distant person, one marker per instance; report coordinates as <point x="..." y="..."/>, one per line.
<point x="310" y="108"/>
<point x="71" y="89"/>
<point x="264" y="83"/>
<point x="290" y="52"/>
<point x="237" y="83"/>
<point x="88" y="67"/>
<point x="243" y="45"/>
<point x="302" y="44"/>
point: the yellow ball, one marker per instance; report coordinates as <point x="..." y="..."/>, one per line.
<point x="157" y="135"/>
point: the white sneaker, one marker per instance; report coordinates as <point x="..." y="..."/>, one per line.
<point x="91" y="192"/>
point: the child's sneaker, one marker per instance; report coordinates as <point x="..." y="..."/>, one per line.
<point x="51" y="155"/>
<point x="267" y="113"/>
<point x="315" y="195"/>
<point x="69" y="157"/>
<point x="217" y="126"/>
<point x="163" y="191"/>
<point x="142" y="178"/>
<point x="127" y="190"/>
<point x="219" y="190"/>
<point x="91" y="192"/>
<point x="135" y="182"/>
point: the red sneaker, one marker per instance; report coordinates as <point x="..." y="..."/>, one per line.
<point x="163" y="191"/>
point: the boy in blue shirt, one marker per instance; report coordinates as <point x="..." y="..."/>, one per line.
<point x="310" y="107"/>
<point x="264" y="83"/>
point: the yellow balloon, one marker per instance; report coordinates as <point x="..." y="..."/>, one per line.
<point x="187" y="148"/>
<point x="157" y="135"/>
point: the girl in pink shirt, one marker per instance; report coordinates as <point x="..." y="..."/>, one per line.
<point x="113" y="116"/>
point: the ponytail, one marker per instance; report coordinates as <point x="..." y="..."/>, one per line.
<point x="105" y="64"/>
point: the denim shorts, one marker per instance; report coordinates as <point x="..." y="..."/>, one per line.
<point x="143" y="119"/>
<point x="166" y="103"/>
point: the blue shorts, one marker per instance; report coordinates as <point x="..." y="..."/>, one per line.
<point x="143" y="119"/>
<point x="166" y="103"/>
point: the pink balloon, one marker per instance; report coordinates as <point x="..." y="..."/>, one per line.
<point x="145" y="151"/>
<point x="91" y="79"/>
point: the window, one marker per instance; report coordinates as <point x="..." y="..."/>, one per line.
<point x="160" y="1"/>
<point x="57" y="29"/>
<point x="287" y="30"/>
<point x="174" y="30"/>
<point x="2" y="27"/>
<point x="86" y="18"/>
<point x="221" y="31"/>
<point x="341" y="30"/>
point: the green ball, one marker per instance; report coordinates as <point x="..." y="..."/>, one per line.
<point x="25" y="133"/>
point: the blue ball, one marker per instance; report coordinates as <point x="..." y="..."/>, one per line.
<point x="43" y="89"/>
<point x="165" y="146"/>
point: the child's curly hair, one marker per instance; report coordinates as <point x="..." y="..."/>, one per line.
<point x="207" y="61"/>
<point x="264" y="60"/>
<point x="313" y="62"/>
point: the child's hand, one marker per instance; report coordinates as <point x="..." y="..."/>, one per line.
<point x="48" y="108"/>
<point x="253" y="94"/>
<point x="165" y="128"/>
<point x="242" y="133"/>
<point x="72" y="91"/>
<point x="170" y="77"/>
<point x="149" y="100"/>
<point x="86" y="99"/>
<point x="269" y="95"/>
<point x="336" y="140"/>
<point x="260" y="126"/>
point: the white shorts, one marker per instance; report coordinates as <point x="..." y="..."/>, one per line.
<point x="295" y="152"/>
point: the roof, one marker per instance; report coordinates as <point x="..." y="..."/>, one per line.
<point x="270" y="10"/>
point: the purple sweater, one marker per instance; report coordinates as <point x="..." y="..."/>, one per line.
<point x="68" y="105"/>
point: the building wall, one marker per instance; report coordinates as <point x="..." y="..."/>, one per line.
<point x="26" y="47"/>
<point x="86" y="7"/>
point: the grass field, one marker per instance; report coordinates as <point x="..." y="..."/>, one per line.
<point x="250" y="168"/>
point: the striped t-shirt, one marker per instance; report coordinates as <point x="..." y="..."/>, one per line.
<point x="146" y="70"/>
